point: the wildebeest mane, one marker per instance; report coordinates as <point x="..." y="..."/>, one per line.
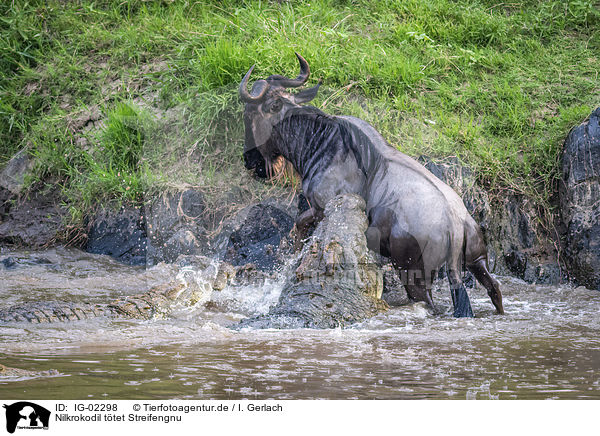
<point x="318" y="138"/>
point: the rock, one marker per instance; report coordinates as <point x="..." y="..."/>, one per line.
<point x="335" y="280"/>
<point x="182" y="242"/>
<point x="516" y="261"/>
<point x="394" y="292"/>
<point x="522" y="246"/>
<point x="174" y="226"/>
<point x="231" y="222"/>
<point x="171" y="226"/>
<point x="12" y="176"/>
<point x="6" y="198"/>
<point x="543" y="273"/>
<point x="34" y="221"/>
<point x="257" y="240"/>
<point x="120" y="234"/>
<point x="580" y="201"/>
<point x="9" y="262"/>
<point x="12" y="262"/>
<point x="248" y="274"/>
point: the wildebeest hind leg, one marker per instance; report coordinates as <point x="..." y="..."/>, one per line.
<point x="479" y="270"/>
<point x="460" y="298"/>
<point x="408" y="261"/>
<point x="476" y="261"/>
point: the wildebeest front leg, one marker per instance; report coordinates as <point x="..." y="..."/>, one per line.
<point x="303" y="222"/>
<point x="460" y="298"/>
<point x="481" y="273"/>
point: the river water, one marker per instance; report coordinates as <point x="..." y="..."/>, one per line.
<point x="546" y="346"/>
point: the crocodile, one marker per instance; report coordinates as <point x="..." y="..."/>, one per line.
<point x="7" y="372"/>
<point x="196" y="281"/>
<point x="335" y="280"/>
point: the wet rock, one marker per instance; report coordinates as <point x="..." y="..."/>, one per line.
<point x="543" y="273"/>
<point x="9" y="262"/>
<point x="580" y="200"/>
<point x="335" y="281"/>
<point x="182" y="242"/>
<point x="394" y="292"/>
<point x="258" y="239"/>
<point x="518" y="227"/>
<point x="249" y="274"/>
<point x="6" y="198"/>
<point x="121" y="235"/>
<point x="516" y="261"/>
<point x="35" y="220"/>
<point x="174" y="226"/>
<point x="525" y="248"/>
<point x="12" y="262"/>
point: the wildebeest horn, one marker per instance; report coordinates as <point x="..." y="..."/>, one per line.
<point x="245" y="95"/>
<point x="276" y="79"/>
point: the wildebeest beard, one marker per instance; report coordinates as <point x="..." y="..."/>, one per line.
<point x="254" y="160"/>
<point x="264" y="168"/>
<point x="265" y="161"/>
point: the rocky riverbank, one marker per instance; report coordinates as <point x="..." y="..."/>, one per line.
<point x="177" y="222"/>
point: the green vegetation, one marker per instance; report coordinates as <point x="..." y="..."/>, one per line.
<point x="496" y="84"/>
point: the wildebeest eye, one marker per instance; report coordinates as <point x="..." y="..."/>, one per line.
<point x="275" y="106"/>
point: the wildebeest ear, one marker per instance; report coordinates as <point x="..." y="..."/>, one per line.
<point x="307" y="95"/>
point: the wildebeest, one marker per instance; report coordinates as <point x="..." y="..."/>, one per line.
<point x="414" y="218"/>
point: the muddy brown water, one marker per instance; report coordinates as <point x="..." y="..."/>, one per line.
<point x="546" y="346"/>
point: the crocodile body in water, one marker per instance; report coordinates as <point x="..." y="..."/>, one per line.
<point x="335" y="281"/>
<point x="7" y="372"/>
<point x="156" y="303"/>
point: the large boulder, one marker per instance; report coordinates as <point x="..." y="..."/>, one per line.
<point x="174" y="225"/>
<point x="580" y="201"/>
<point x="33" y="220"/>
<point x="258" y="239"/>
<point x="168" y="226"/>
<point x="335" y="281"/>
<point x="120" y="234"/>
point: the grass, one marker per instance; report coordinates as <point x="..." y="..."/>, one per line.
<point x="497" y="84"/>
